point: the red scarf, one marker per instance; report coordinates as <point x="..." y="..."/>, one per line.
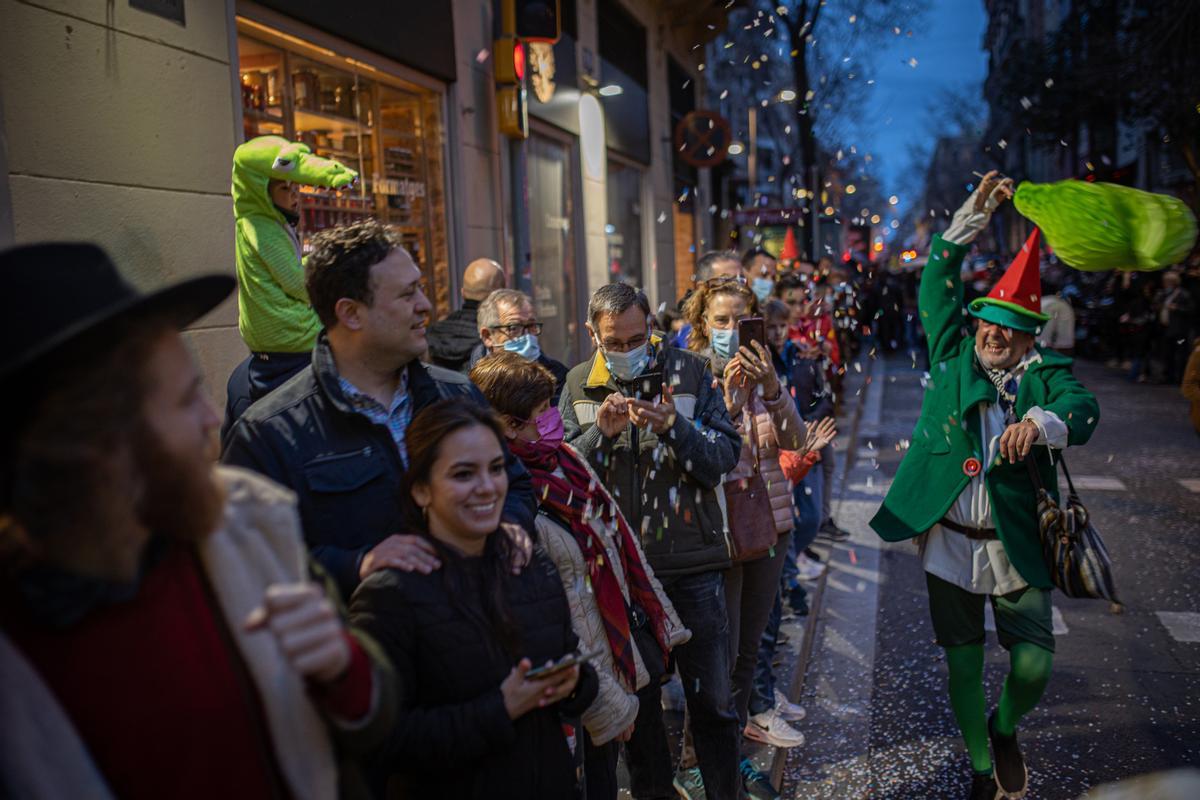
<point x="576" y="498"/>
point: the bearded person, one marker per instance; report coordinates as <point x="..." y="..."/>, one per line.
<point x="991" y="403"/>
<point x="160" y="634"/>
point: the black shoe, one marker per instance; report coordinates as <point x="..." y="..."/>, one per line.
<point x="1011" y="775"/>
<point x="829" y="530"/>
<point x="983" y="787"/>
<point x="798" y="600"/>
<point x="813" y="555"/>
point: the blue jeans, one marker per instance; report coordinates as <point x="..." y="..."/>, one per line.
<point x="807" y="515"/>
<point x="705" y="671"/>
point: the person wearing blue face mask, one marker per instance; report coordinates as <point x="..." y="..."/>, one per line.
<point x="769" y="422"/>
<point x="507" y="321"/>
<point x="759" y="267"/>
<point x="647" y="420"/>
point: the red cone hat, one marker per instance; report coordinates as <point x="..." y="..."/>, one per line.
<point x="1016" y="299"/>
<point x="790" y="251"/>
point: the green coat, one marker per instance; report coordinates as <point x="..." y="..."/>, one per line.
<point x="931" y="476"/>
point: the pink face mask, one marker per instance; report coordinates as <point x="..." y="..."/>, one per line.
<point x="550" y="437"/>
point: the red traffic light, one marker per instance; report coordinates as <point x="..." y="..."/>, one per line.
<point x="519" y="61"/>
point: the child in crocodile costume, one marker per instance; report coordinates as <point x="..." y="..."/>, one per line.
<point x="274" y="316"/>
<point x="964" y="488"/>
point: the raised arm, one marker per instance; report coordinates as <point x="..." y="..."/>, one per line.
<point x="940" y="300"/>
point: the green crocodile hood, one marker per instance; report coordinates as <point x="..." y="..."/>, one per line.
<point x="267" y="158"/>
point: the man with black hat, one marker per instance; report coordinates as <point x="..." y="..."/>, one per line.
<point x="160" y="634"/>
<point x="992" y="401"/>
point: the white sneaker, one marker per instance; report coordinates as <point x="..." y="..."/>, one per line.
<point x="770" y="728"/>
<point x="790" y="711"/>
<point x="808" y="569"/>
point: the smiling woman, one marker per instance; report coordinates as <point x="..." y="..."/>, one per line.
<point x="463" y="639"/>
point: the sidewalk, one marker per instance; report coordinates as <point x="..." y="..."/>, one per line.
<point x="808" y="636"/>
<point x="834" y="680"/>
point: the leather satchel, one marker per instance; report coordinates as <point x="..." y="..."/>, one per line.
<point x="751" y="522"/>
<point x="1075" y="554"/>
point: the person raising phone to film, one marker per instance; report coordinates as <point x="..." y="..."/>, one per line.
<point x="472" y="722"/>
<point x="727" y="330"/>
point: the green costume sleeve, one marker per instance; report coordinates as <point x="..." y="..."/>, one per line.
<point x="275" y="251"/>
<point x="1073" y="404"/>
<point x="940" y="300"/>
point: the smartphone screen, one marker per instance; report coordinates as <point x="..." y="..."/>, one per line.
<point x="566" y="662"/>
<point x="648" y="386"/>
<point x="752" y="329"/>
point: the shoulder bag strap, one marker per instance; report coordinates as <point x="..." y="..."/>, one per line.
<point x="1062" y="462"/>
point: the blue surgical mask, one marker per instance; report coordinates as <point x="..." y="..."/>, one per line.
<point x="627" y="366"/>
<point x="762" y="288"/>
<point x="724" y="343"/>
<point x="525" y="346"/>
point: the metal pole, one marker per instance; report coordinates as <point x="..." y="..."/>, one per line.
<point x="814" y="201"/>
<point x="754" y="155"/>
<point x="522" y="260"/>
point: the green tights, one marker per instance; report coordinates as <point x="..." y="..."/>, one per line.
<point x="1029" y="671"/>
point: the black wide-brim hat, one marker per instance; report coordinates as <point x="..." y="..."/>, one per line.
<point x="54" y="295"/>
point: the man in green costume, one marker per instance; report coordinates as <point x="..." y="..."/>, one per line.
<point x="965" y="491"/>
<point x="274" y="316"/>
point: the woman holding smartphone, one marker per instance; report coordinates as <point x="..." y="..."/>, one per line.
<point x="769" y="422"/>
<point x="462" y="639"/>
<point x="618" y="607"/>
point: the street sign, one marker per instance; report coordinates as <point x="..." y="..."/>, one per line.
<point x="702" y="138"/>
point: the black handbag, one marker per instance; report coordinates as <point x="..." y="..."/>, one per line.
<point x="646" y="642"/>
<point x="1075" y="554"/>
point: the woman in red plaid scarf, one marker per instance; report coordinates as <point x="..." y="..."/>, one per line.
<point x="618" y="607"/>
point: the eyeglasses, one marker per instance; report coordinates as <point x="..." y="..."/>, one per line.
<point x="518" y="328"/>
<point x="724" y="280"/>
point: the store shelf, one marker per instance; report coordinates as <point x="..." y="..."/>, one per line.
<point x="307" y="120"/>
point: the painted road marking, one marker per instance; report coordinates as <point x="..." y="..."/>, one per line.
<point x="1184" y="626"/>
<point x="1097" y="483"/>
<point x="1056" y="617"/>
<point x="1191" y="484"/>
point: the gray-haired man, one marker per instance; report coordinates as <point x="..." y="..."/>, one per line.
<point x="507" y="321"/>
<point x="647" y="419"/>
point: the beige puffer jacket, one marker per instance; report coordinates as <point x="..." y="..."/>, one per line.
<point x="779" y="427"/>
<point x="615" y="708"/>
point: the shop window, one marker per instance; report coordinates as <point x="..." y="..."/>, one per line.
<point x="388" y="130"/>
<point x="623" y="232"/>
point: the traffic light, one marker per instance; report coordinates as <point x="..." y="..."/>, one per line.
<point x="512" y="114"/>
<point x="537" y="20"/>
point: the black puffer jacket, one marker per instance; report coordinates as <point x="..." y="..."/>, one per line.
<point x="345" y="469"/>
<point x="452" y="339"/>
<point x="453" y="737"/>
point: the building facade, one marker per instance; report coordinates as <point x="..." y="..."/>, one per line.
<point x="119" y="121"/>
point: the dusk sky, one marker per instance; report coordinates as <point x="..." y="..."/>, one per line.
<point x="949" y="53"/>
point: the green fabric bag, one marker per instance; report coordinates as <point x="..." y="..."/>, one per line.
<point x="1100" y="226"/>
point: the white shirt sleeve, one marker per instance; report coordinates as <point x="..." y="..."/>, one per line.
<point x="1052" y="431"/>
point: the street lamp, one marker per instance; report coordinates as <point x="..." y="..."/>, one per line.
<point x="787" y="95"/>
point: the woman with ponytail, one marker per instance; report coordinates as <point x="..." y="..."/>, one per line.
<point x="618" y="607"/>
<point x="462" y="639"/>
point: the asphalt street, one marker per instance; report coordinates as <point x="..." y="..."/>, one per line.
<point x="1123" y="697"/>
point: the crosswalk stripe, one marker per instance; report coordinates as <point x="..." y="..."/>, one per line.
<point x="1097" y="483"/>
<point x="1184" y="626"/>
<point x="1191" y="484"/>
